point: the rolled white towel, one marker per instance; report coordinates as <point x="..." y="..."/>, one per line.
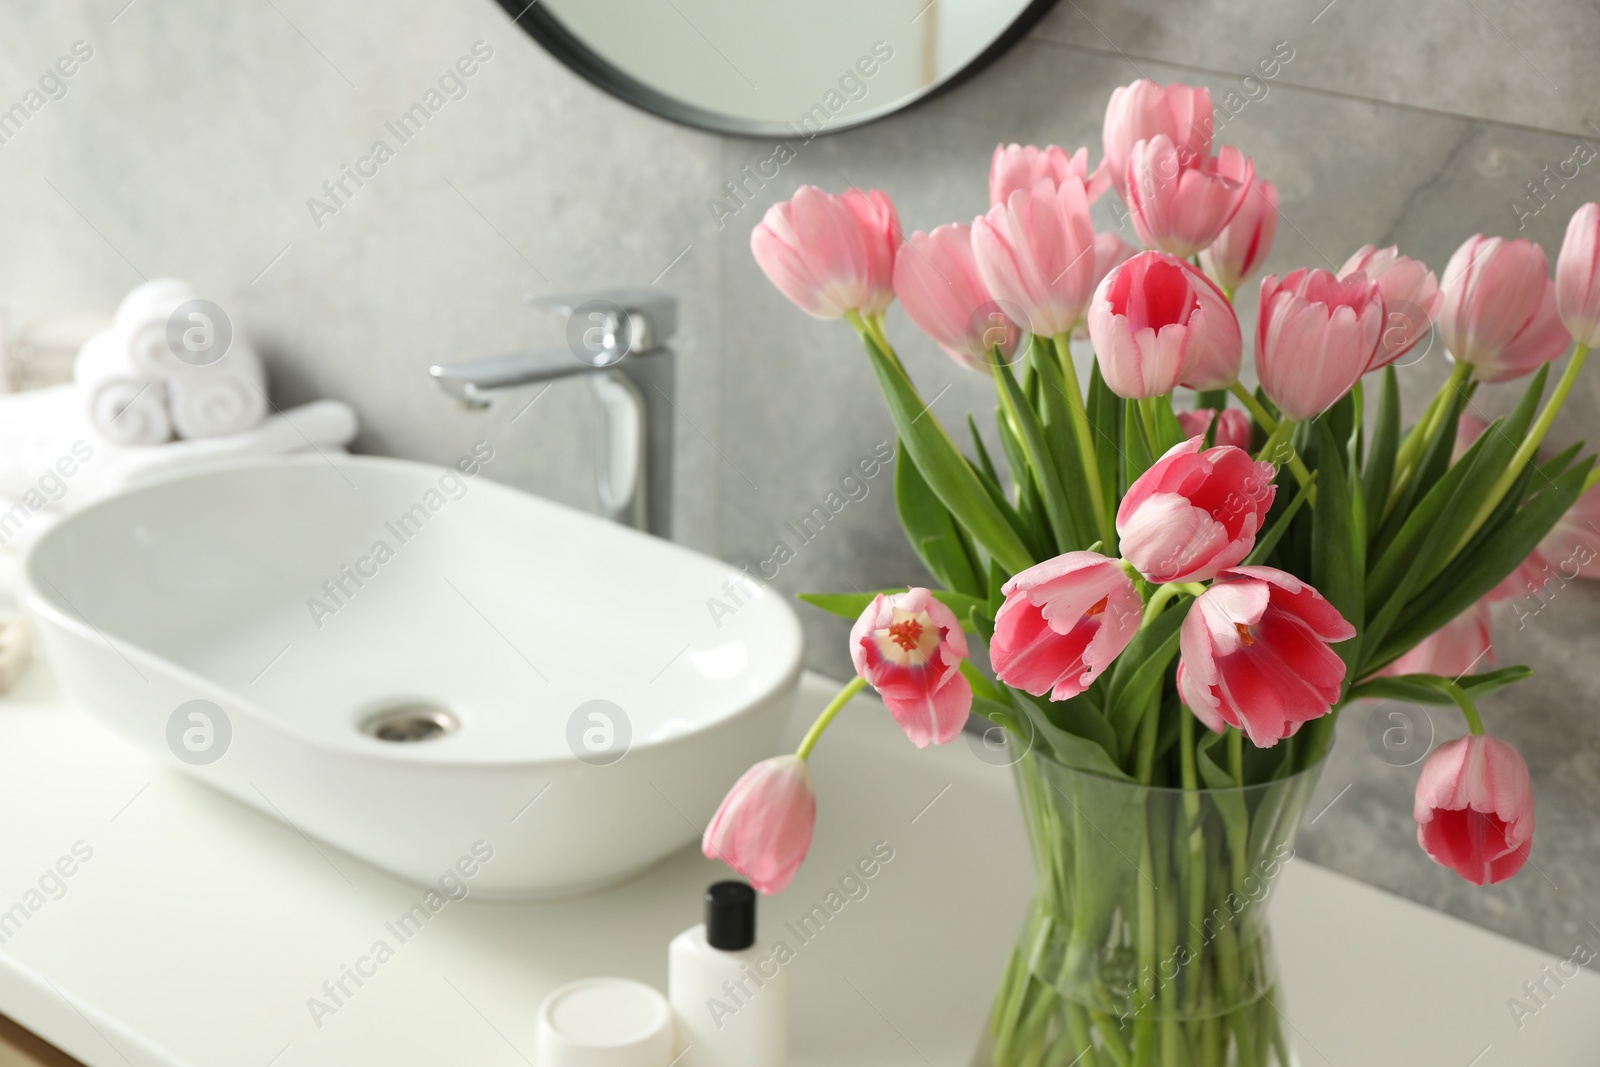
<point x="226" y="397"/>
<point x="122" y="405"/>
<point x="143" y="319"/>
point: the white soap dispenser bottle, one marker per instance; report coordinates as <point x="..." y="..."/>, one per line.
<point x="731" y="1002"/>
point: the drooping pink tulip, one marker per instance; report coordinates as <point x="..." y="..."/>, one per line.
<point x="1578" y="276"/>
<point x="1233" y="429"/>
<point x="763" y="827"/>
<point x="1315" y="337"/>
<point x="1216" y="351"/>
<point x="1474" y="809"/>
<point x="936" y="279"/>
<point x="1195" y="513"/>
<point x="1144" y="110"/>
<point x="1461" y="645"/>
<point x="1256" y="656"/>
<point x="1036" y="251"/>
<point x="1182" y="206"/>
<point x="1243" y="244"/>
<point x="1498" y="309"/>
<point x="1144" y="318"/>
<point x="1017" y="166"/>
<point x="1063" y="622"/>
<point x="1411" y="298"/>
<point x="830" y="254"/>
<point x="909" y="647"/>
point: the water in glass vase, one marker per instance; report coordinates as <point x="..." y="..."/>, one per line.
<point x="1146" y="944"/>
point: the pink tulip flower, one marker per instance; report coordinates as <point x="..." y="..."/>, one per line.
<point x="1474" y="809"/>
<point x="1578" y="276"/>
<point x="936" y="279"/>
<point x="830" y="254"/>
<point x="1063" y="622"/>
<point x="909" y="647"/>
<point x="1194" y="514"/>
<point x="1315" y="338"/>
<point x="1214" y="354"/>
<point x="1411" y="298"/>
<point x="1182" y="206"/>
<point x="763" y="827"/>
<point x="1498" y="309"/>
<point x="1021" y="167"/>
<point x="1036" y="251"/>
<point x="1243" y="244"/>
<point x="1233" y="429"/>
<point x="1144" y="110"/>
<point x="1460" y="646"/>
<point x="1145" y="316"/>
<point x="1254" y="654"/>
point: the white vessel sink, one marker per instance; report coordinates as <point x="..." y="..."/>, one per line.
<point x="496" y="614"/>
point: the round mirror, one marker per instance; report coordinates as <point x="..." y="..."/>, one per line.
<point x="763" y="68"/>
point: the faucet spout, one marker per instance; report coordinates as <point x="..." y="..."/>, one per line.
<point x="618" y="343"/>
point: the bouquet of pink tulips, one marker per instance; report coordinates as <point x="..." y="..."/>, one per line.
<point x="1181" y="597"/>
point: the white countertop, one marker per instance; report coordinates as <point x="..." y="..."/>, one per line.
<point x="197" y="930"/>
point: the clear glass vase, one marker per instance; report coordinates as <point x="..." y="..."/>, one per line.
<point x="1147" y="940"/>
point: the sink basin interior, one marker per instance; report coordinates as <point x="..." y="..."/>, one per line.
<point x="325" y="591"/>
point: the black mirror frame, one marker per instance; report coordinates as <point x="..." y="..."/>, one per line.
<point x="560" y="42"/>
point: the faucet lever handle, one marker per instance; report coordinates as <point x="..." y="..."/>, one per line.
<point x="611" y="323"/>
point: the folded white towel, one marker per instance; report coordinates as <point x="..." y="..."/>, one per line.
<point x="322" y="425"/>
<point x="51" y="462"/>
<point x="142" y="321"/>
<point x="226" y="397"/>
<point x="123" y="406"/>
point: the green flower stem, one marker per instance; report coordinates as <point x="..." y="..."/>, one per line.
<point x="871" y="329"/>
<point x="1530" y="444"/>
<point x="1464" y="702"/>
<point x="1081" y="429"/>
<point x="1164" y="593"/>
<point x="1277" y="440"/>
<point x="1253" y="406"/>
<point x="813" y="735"/>
<point x="1405" y="460"/>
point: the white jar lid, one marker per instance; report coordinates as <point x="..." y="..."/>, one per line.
<point x="605" y="1022"/>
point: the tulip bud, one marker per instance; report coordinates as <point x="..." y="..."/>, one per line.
<point x="936" y="278"/>
<point x="830" y="254"/>
<point x="1578" y="276"/>
<point x="1181" y="205"/>
<point x="1315" y="338"/>
<point x="1243" y="244"/>
<point x="1143" y="110"/>
<point x="1474" y="809"/>
<point x="1498" y="312"/>
<point x="1036" y="252"/>
<point x="763" y="827"/>
<point x="1021" y="167"/>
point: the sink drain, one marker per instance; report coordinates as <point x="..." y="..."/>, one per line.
<point x="409" y="722"/>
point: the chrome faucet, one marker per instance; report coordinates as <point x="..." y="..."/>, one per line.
<point x="618" y="339"/>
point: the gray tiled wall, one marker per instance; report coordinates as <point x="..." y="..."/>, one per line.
<point x="191" y="141"/>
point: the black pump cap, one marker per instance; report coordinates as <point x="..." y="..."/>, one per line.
<point x="730" y="916"/>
